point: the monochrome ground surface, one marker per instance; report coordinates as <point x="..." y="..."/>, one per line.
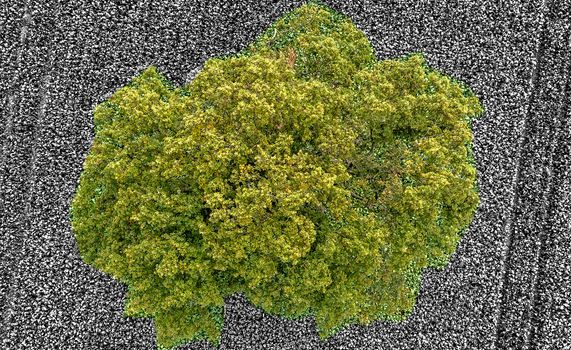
<point x="508" y="286"/>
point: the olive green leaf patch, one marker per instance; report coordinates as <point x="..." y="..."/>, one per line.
<point x="302" y="172"/>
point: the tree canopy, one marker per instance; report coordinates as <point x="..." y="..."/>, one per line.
<point x="302" y="172"/>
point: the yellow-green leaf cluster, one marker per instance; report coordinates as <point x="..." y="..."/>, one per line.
<point x="302" y="172"/>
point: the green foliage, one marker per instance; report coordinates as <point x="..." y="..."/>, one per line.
<point x="302" y="172"/>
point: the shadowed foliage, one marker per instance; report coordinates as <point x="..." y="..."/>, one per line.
<point x="302" y="172"/>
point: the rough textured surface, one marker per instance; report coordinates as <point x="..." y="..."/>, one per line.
<point x="509" y="283"/>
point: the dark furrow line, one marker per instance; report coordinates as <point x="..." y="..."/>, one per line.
<point x="30" y="182"/>
<point x="31" y="178"/>
<point x="7" y="133"/>
<point x="549" y="200"/>
<point x="517" y="176"/>
<point x="10" y="111"/>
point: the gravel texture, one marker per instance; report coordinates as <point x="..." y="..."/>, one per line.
<point x="508" y="286"/>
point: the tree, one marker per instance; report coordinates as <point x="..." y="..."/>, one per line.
<point x="302" y="172"/>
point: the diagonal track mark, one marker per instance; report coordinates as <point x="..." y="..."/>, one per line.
<point x="517" y="176"/>
<point x="28" y="192"/>
<point x="548" y="202"/>
<point x="8" y="134"/>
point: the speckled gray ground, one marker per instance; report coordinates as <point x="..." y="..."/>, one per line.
<point x="508" y="286"/>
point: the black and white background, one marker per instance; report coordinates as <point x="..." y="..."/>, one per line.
<point x="508" y="286"/>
